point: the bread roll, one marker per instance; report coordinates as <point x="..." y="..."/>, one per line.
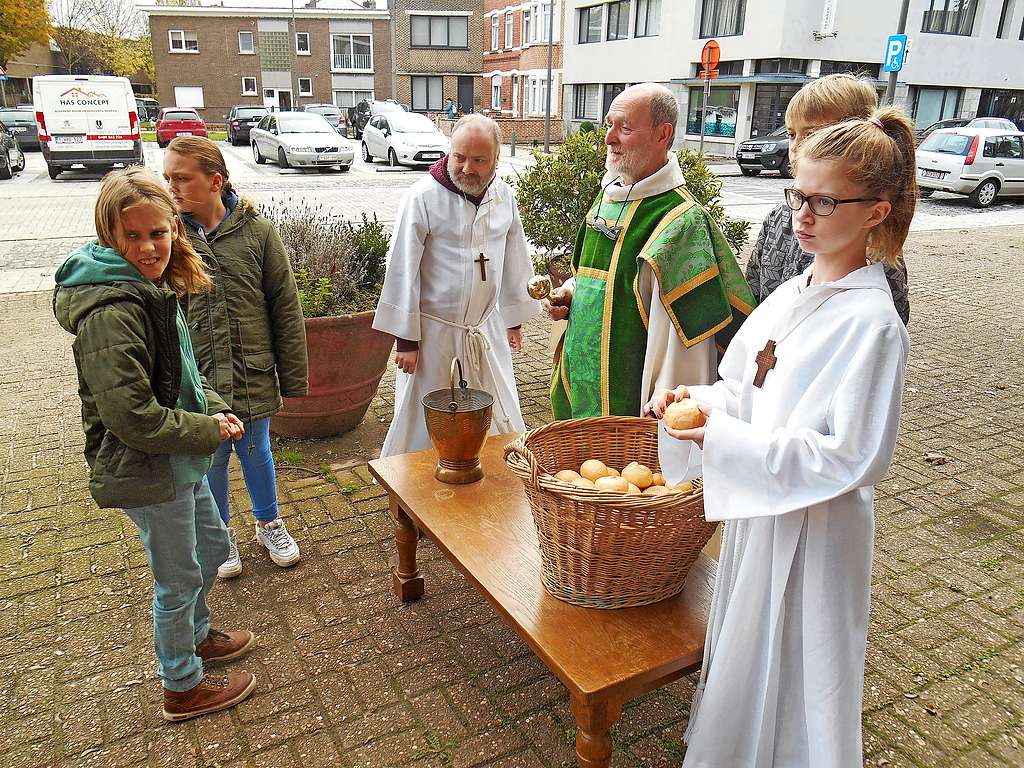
<point x="633" y="490"/>
<point x="681" y="488"/>
<point x="568" y="476"/>
<point x="638" y="475"/>
<point x="582" y="482"/>
<point x="613" y="472"/>
<point x="617" y="484"/>
<point x="656" y="490"/>
<point x="658" y="479"/>
<point x="592" y="469"/>
<point x="684" y="414"/>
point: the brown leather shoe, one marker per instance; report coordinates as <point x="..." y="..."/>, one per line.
<point x="214" y="693"/>
<point x="225" y="646"/>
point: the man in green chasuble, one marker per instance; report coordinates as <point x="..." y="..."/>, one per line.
<point x="656" y="292"/>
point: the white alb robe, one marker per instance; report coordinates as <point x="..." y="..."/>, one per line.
<point x="791" y="467"/>
<point x="433" y="294"/>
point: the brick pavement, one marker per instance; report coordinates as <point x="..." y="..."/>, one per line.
<point x="348" y="677"/>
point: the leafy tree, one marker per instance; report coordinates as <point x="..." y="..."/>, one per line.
<point x="555" y="196"/>
<point x="22" y="24"/>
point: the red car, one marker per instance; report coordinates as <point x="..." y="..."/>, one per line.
<point x="174" y="122"/>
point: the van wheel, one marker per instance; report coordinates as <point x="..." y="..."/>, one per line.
<point x="53" y="170"/>
<point x="260" y="159"/>
<point x="750" y="171"/>
<point x="985" y="194"/>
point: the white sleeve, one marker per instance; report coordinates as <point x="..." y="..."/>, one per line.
<point x="514" y="303"/>
<point x="755" y="472"/>
<point x="398" y="311"/>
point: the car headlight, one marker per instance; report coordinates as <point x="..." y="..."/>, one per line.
<point x="769" y="147"/>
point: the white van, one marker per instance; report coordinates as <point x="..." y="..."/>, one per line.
<point x="89" y="120"/>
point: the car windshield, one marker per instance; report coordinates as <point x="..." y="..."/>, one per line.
<point x="386" y="106"/>
<point x="251" y="112"/>
<point x="947" y="143"/>
<point x="303" y="122"/>
<point x="410" y="122"/>
<point x="181" y="116"/>
<point x="9" y="116"/>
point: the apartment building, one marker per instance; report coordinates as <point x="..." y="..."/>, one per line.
<point x="515" y="66"/>
<point x="211" y="57"/>
<point x="438" y="53"/>
<point x="966" y="57"/>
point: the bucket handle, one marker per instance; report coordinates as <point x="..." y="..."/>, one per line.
<point x="453" y="406"/>
<point x="518" y="449"/>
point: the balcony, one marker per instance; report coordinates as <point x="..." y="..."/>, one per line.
<point x="352" y="61"/>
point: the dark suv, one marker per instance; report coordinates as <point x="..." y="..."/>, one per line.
<point x="22" y="123"/>
<point x="360" y="114"/>
<point x="770" y="153"/>
<point x="241" y="119"/>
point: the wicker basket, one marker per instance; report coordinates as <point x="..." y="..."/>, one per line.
<point x="601" y="549"/>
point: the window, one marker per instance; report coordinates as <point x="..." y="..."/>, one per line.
<point x="440" y="32"/>
<point x="351" y="98"/>
<point x="720" y="120"/>
<point x="591" y="22"/>
<point x="183" y="42"/>
<point x="536" y="95"/>
<point x="302" y="43"/>
<point x="1005" y="19"/>
<point x="611" y="90"/>
<point x="587" y="98"/>
<point x="950" y="17"/>
<point x="351" y="52"/>
<point x="648" y="18"/>
<point x="543" y="13"/>
<point x="305" y="86"/>
<point x="494" y="32"/>
<point x="618" y="20"/>
<point x="725" y="68"/>
<point x="426" y="93"/>
<point x="1002" y="103"/>
<point x="246" y="42"/>
<point x="249" y="86"/>
<point x="722" y="18"/>
<point x="781" y="66"/>
<point x="496" y="92"/>
<point x="508" y="29"/>
<point x="527" y="36"/>
<point x="850" y="67"/>
<point x="770" y="102"/>
<point x="934" y="104"/>
<point x="1009" y="147"/>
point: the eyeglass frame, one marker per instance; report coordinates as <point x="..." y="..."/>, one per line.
<point x="835" y="200"/>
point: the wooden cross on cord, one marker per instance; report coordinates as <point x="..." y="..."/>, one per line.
<point x="483" y="269"/>
<point x="765" y="362"/>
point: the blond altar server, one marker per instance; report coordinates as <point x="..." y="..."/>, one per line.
<point x="800" y="428"/>
<point x="456" y="285"/>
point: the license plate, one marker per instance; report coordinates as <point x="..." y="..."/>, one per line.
<point x="431" y="155"/>
<point x="748" y="155"/>
<point x="325" y="158"/>
<point x="20" y="130"/>
<point x="69" y="139"/>
<point x="932" y="174"/>
<point x="183" y="133"/>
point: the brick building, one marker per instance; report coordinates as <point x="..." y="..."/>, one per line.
<point x="438" y="53"/>
<point x="515" y="66"/>
<point x="211" y="57"/>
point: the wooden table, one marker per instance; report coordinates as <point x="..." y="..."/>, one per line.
<point x="486" y="529"/>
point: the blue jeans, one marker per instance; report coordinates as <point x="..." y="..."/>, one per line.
<point x="257" y="469"/>
<point x="185" y="542"/>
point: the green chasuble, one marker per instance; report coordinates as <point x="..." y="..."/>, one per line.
<point x="599" y="363"/>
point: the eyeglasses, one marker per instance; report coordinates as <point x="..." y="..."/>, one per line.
<point x="821" y="205"/>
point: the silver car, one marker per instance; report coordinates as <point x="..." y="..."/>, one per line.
<point x="404" y="138"/>
<point x="300" y="140"/>
<point x="982" y="163"/>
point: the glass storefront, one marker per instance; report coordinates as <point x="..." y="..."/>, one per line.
<point x="1002" y="103"/>
<point x="720" y="119"/>
<point x="770" y="102"/>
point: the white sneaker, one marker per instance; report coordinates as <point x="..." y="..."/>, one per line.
<point x="279" y="543"/>
<point x="231" y="567"/>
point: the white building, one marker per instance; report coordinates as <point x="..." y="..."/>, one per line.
<point x="966" y="57"/>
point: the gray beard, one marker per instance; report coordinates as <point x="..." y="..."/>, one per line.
<point x="471" y="189"/>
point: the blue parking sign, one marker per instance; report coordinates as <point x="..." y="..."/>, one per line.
<point x="895" y="51"/>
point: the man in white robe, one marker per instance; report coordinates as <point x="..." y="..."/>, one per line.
<point x="456" y="284"/>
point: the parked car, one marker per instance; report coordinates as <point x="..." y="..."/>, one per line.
<point x="89" y="120"/>
<point x="12" y="159"/>
<point x="999" y="123"/>
<point x="331" y="113"/>
<point x="241" y="119"/>
<point x="175" y="121"/>
<point x="405" y="138"/>
<point x="982" y="163"/>
<point x="22" y="123"/>
<point x="953" y="122"/>
<point x="300" y="139"/>
<point x="768" y="154"/>
<point x="148" y="109"/>
<point x="360" y="114"/>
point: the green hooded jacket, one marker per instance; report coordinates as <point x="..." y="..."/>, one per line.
<point x="144" y="405"/>
<point x="248" y="332"/>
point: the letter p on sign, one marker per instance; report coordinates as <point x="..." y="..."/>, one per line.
<point x="895" y="51"/>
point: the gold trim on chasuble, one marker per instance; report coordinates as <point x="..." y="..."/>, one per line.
<point x="606" y="322"/>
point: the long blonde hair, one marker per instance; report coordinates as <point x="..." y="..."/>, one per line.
<point x="877" y="154"/>
<point x="137" y="185"/>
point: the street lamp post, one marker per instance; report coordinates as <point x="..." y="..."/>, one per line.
<point x="292" y="45"/>
<point x="547" y="104"/>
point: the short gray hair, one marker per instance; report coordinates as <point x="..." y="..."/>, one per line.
<point x="664" y="108"/>
<point x="480" y="122"/>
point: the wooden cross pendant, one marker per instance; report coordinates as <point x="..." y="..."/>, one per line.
<point x="765" y="362"/>
<point x="483" y="269"/>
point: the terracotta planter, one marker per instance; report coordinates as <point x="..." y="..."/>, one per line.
<point x="347" y="359"/>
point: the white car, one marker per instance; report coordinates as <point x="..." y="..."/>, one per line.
<point x="300" y="140"/>
<point x="980" y="162"/>
<point x="403" y="138"/>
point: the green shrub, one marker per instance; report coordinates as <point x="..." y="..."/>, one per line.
<point x="587" y="126"/>
<point x="556" y="193"/>
<point x="339" y="266"/>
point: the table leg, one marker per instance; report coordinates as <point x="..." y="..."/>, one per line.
<point x="593" y="742"/>
<point x="408" y="584"/>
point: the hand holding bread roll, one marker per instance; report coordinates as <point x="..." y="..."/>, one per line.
<point x="684" y="414"/>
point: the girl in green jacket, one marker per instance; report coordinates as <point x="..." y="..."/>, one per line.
<point x="151" y="423"/>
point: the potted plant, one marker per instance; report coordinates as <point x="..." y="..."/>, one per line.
<point x="556" y="193"/>
<point x="339" y="268"/>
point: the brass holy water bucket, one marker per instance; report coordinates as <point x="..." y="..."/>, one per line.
<point x="458" y="423"/>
